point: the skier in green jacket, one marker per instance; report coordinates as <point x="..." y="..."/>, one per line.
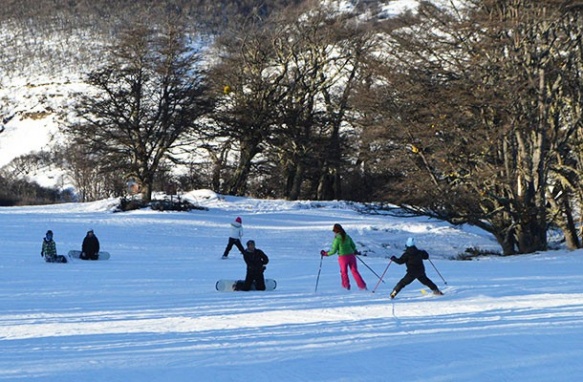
<point x="346" y="249"/>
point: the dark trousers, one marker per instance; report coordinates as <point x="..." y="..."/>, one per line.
<point x="89" y="256"/>
<point x="409" y="278"/>
<point x="253" y="275"/>
<point x="56" y="259"/>
<point x="235" y="242"/>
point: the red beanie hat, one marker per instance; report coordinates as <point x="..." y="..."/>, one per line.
<point x="238" y="220"/>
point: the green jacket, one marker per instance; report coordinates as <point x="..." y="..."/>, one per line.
<point x="49" y="248"/>
<point x="346" y="247"/>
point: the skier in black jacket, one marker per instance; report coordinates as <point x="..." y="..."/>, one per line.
<point x="413" y="258"/>
<point x="256" y="260"/>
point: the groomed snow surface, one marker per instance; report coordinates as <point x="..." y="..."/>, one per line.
<point x="151" y="312"/>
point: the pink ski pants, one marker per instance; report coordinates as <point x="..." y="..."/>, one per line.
<point x="349" y="261"/>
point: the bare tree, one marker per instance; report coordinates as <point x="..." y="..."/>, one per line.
<point x="478" y="108"/>
<point x="148" y="96"/>
<point x="290" y="79"/>
<point x="247" y="84"/>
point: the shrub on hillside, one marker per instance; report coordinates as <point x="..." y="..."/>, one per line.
<point x="473" y="253"/>
<point x="167" y="204"/>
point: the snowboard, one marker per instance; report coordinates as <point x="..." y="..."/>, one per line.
<point x="229" y="285"/>
<point x="100" y="255"/>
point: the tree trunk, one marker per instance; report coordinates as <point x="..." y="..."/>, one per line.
<point x="217" y="167"/>
<point x="216" y="175"/>
<point x="564" y="219"/>
<point x="569" y="228"/>
<point x="507" y="241"/>
<point x="531" y="236"/>
<point x="324" y="190"/>
<point x="298" y="180"/>
<point x="530" y="201"/>
<point x="146" y="191"/>
<point x="238" y="184"/>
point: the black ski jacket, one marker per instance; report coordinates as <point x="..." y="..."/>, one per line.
<point x="413" y="258"/>
<point x="255" y="260"/>
<point x="90" y="245"/>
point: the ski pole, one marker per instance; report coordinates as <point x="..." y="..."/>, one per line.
<point x="434" y="267"/>
<point x="319" y="270"/>
<point x="362" y="261"/>
<point x="382" y="276"/>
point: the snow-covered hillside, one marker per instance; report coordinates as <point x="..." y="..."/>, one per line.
<point x="32" y="118"/>
<point x="151" y="313"/>
<point x="32" y="106"/>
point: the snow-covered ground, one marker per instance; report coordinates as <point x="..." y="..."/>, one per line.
<point x="151" y="312"/>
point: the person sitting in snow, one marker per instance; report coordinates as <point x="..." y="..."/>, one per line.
<point x="413" y="258"/>
<point x="256" y="261"/>
<point x="90" y="247"/>
<point x="235" y="237"/>
<point x="49" y="250"/>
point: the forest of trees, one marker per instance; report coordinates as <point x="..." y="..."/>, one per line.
<point x="471" y="111"/>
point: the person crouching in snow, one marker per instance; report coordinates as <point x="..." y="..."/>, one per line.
<point x="235" y="237"/>
<point x="49" y="250"/>
<point x="346" y="249"/>
<point x="256" y="261"/>
<point x="413" y="258"/>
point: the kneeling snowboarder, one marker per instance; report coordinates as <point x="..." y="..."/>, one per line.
<point x="256" y="260"/>
<point x="413" y="258"/>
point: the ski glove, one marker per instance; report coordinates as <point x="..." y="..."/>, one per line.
<point x="323" y="253"/>
<point x="393" y="258"/>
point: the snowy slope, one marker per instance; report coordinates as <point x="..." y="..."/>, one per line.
<point x="151" y="312"/>
<point x="32" y="117"/>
